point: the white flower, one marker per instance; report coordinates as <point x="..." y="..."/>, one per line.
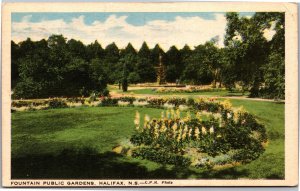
<point x="169" y="106"/>
<point x="140" y="103"/>
<point x="211" y="130"/>
<point x="183" y="107"/>
<point x="197" y="132"/>
<point x="123" y="103"/>
<point x="229" y="115"/>
<point x="217" y="115"/>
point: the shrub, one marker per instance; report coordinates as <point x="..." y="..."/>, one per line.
<point x="217" y="131"/>
<point x="161" y="156"/>
<point x="127" y="99"/>
<point x="109" y="102"/>
<point x="57" y="103"/>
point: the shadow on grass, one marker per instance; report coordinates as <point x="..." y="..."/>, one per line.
<point x="86" y="163"/>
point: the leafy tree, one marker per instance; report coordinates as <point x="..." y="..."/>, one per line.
<point x="174" y="64"/>
<point x="197" y="67"/>
<point x="98" y="76"/>
<point x="134" y="78"/>
<point x="94" y="50"/>
<point x="15" y="55"/>
<point x="252" y="47"/>
<point x="145" y="70"/>
<point x="125" y="78"/>
<point x="112" y="53"/>
<point x="76" y="48"/>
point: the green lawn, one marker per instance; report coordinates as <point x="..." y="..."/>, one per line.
<point x="77" y="143"/>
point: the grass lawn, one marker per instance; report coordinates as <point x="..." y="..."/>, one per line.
<point x="77" y="143"/>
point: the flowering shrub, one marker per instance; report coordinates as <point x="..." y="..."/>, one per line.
<point x="107" y="101"/>
<point x="57" y="103"/>
<point x="18" y="104"/>
<point x="140" y="103"/>
<point x="216" y="135"/>
<point x="75" y="100"/>
<point x="123" y="103"/>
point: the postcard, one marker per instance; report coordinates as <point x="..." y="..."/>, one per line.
<point x="149" y="94"/>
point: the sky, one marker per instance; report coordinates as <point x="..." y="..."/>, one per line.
<point x="166" y="29"/>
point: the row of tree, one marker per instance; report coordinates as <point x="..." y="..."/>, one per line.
<point x="61" y="67"/>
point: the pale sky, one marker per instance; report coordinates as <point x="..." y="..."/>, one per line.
<point x="166" y="29"/>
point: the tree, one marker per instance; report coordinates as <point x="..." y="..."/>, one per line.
<point x="76" y="49"/>
<point x="111" y="63"/>
<point x="155" y="53"/>
<point x="144" y="51"/>
<point x="125" y="78"/>
<point x="94" y="50"/>
<point x="144" y="68"/>
<point x="112" y="53"/>
<point x="274" y="70"/>
<point x="245" y="36"/>
<point x="134" y="78"/>
<point x="98" y="76"/>
<point x="15" y="55"/>
<point x="174" y="66"/>
<point x="197" y="69"/>
<point x="128" y="50"/>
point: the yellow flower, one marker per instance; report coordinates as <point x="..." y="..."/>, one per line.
<point x="226" y="104"/>
<point x="174" y="127"/>
<point x="163" y="128"/>
<point x="198" y="116"/>
<point x="146" y="118"/>
<point x="137" y="120"/>
<point x="188" y="116"/>
<point x="203" y="129"/>
<point x="197" y="132"/>
<point x="184" y="136"/>
<point x="185" y="129"/>
<point x="190" y="132"/>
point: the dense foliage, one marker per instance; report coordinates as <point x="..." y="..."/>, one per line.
<point x="217" y="135"/>
<point x="61" y="67"/>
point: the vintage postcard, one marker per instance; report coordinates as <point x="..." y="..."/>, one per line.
<point x="149" y="94"/>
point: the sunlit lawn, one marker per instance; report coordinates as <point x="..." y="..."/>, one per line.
<point x="77" y="143"/>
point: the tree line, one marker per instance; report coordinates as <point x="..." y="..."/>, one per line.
<point x="61" y="67"/>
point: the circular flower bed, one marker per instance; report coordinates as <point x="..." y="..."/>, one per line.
<point x="214" y="134"/>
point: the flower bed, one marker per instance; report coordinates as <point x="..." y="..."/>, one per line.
<point x="217" y="134"/>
